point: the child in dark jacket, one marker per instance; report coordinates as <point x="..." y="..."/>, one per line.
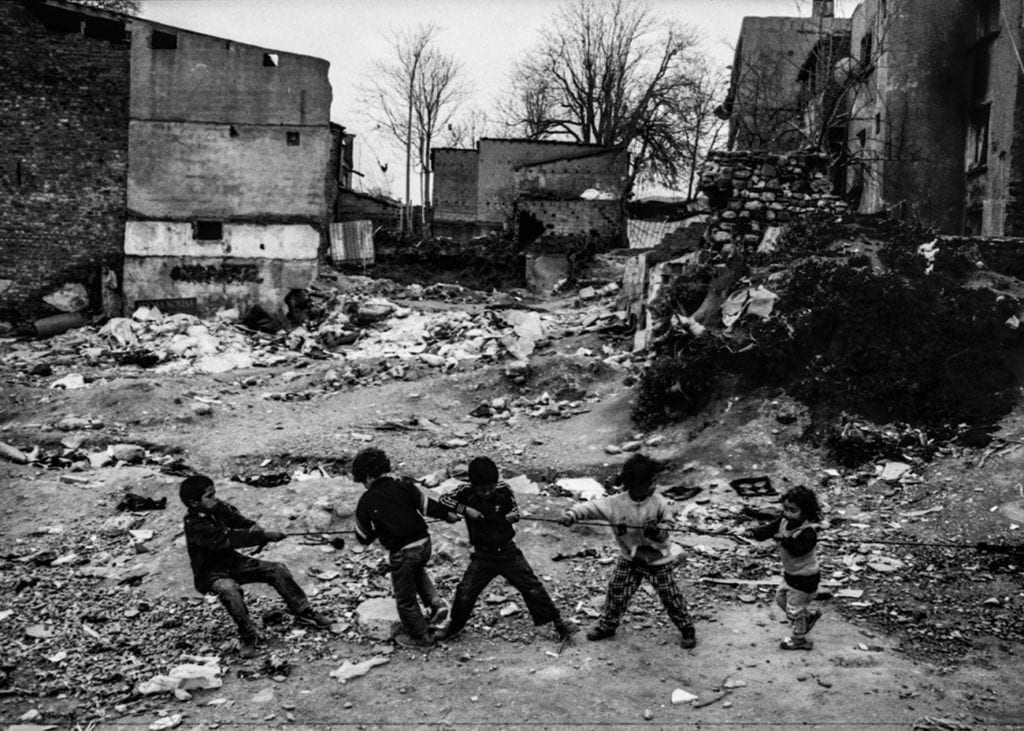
<point x="795" y="532"/>
<point x="490" y="510"/>
<point x="213" y="530"/>
<point x="392" y="510"/>
<point x="641" y="520"/>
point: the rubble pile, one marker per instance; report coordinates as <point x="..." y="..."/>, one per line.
<point x="848" y="317"/>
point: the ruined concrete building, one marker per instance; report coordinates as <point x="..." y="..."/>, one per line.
<point x="192" y="167"/>
<point x="928" y="100"/>
<point x="540" y="181"/>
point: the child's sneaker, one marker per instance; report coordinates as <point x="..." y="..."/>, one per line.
<point x="312" y="619"/>
<point x="796" y="643"/>
<point x="689" y="639"/>
<point x="248" y="647"/>
<point x="564" y="631"/>
<point x="403" y="639"/>
<point x="440" y="615"/>
<point x="600" y="633"/>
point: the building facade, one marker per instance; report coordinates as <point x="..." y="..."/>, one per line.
<point x="206" y="160"/>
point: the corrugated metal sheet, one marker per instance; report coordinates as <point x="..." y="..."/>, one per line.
<point x="352" y="241"/>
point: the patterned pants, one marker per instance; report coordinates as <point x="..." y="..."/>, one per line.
<point x="794" y="603"/>
<point x="626" y="580"/>
<point x="255" y="571"/>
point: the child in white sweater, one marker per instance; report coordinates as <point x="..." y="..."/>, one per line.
<point x="641" y="521"/>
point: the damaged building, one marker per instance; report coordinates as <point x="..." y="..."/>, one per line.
<point x="916" y="103"/>
<point x="554" y="194"/>
<point x="203" y="178"/>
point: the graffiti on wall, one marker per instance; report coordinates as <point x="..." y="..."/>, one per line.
<point x="219" y="273"/>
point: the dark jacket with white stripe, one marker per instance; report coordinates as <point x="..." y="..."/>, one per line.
<point x="392" y="511"/>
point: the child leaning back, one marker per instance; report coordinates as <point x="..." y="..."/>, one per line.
<point x="795" y="533"/>
<point x="641" y="520"/>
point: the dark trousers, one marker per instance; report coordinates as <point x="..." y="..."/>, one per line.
<point x="254" y="571"/>
<point x="626" y="580"/>
<point x="511" y="564"/>
<point x="411" y="583"/>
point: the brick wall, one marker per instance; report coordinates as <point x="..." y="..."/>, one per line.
<point x="750" y="191"/>
<point x="455" y="180"/>
<point x="63" y="155"/>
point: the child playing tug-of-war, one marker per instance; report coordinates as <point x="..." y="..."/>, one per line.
<point x="641" y="521"/>
<point x="795" y="533"/>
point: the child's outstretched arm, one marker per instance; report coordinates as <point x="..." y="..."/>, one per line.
<point x="456" y="502"/>
<point x="766" y="530"/>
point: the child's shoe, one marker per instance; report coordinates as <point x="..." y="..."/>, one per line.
<point x="403" y="639"/>
<point x="440" y="615"/>
<point x="689" y="639"/>
<point x="600" y="633"/>
<point x="248" y="647"/>
<point x="312" y="619"/>
<point x="564" y="631"/>
<point x="796" y="643"/>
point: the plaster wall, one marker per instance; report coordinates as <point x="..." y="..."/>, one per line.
<point x="213" y="79"/>
<point x="249" y="241"/>
<point x="180" y="171"/>
<point x="498" y="160"/>
<point x="764" y="91"/>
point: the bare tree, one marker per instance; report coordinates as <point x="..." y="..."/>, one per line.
<point x="612" y="73"/>
<point x="466" y="128"/>
<point x="413" y="95"/>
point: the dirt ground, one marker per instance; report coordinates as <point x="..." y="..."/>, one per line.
<point x="936" y="644"/>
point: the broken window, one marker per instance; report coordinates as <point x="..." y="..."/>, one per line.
<point x="977" y="137"/>
<point x="208" y="230"/>
<point x="293" y="138"/>
<point x="163" y="41"/>
<point x="270" y="59"/>
<point x="866" y="47"/>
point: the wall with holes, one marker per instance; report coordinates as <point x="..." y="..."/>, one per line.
<point x="63" y="153"/>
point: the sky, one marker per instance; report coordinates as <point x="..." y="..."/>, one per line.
<point x="485" y="35"/>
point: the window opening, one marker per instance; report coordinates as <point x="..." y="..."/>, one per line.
<point x="292" y="138"/>
<point x="977" y="137"/>
<point x="878" y="124"/>
<point x="270" y="59"/>
<point x="163" y="41"/>
<point x="232" y="131"/>
<point x="208" y="230"/>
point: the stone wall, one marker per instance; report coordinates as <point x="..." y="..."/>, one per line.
<point x="751" y="191"/>
<point x="63" y="154"/>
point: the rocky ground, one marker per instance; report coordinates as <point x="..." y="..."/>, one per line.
<point x="920" y="629"/>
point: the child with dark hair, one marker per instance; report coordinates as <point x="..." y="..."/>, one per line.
<point x="392" y="511"/>
<point x="795" y="532"/>
<point x="213" y="530"/>
<point x="641" y="520"/>
<point x="490" y="510"/>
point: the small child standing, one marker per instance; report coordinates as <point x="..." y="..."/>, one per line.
<point x="641" y="521"/>
<point x="490" y="510"/>
<point x="392" y="510"/>
<point x="795" y="532"/>
<point x="213" y="530"/>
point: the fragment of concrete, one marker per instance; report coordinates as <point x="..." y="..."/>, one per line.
<point x="378" y="618"/>
<point x="581" y="488"/>
<point x="204" y="673"/>
<point x="680" y="696"/>
<point x="893" y="471"/>
<point x="5" y="284"/>
<point x="128" y="453"/>
<point x="523" y="485"/>
<point x="527" y="330"/>
<point x="349" y="670"/>
<point x="72" y="297"/>
<point x="69" y="382"/>
<point x="13" y="454"/>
